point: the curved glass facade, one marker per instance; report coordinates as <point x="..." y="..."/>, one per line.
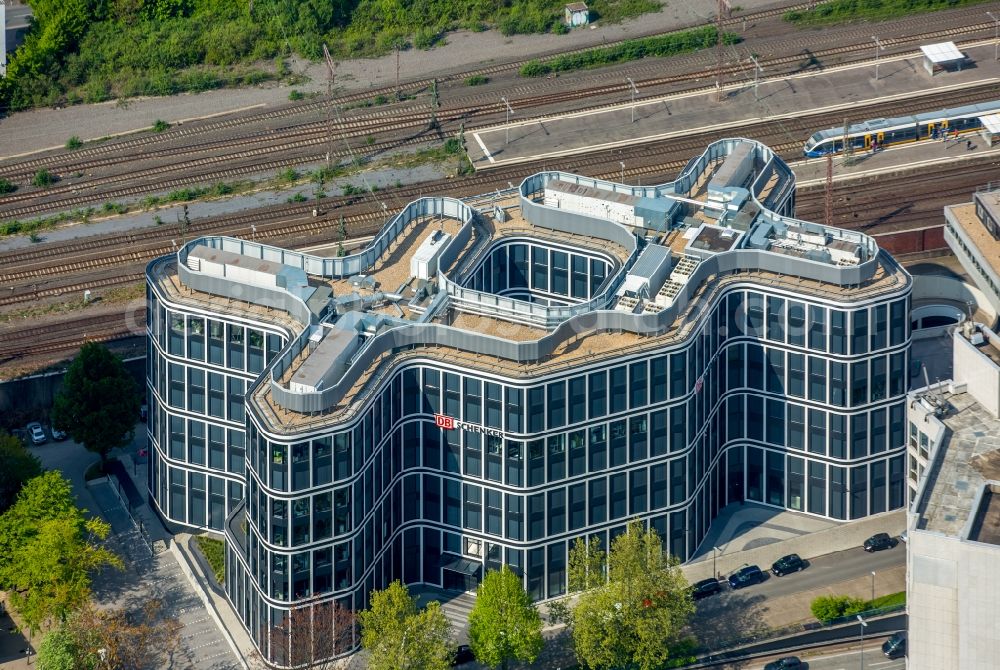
<point x="441" y="462"/>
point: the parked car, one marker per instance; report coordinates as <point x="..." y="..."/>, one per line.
<point x="705" y="588"/>
<point x="37" y="433"/>
<point x="878" y="542"/>
<point x="787" y="564"/>
<point x="895" y="646"/>
<point x="463" y="655"/>
<point x="745" y="576"/>
<point x="786" y="663"/>
<point x="57" y="434"/>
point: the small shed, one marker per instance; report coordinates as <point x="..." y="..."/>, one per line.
<point x="991" y="128"/>
<point x="943" y="56"/>
<point x="577" y="14"/>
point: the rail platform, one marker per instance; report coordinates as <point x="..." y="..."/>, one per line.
<point x="842" y="88"/>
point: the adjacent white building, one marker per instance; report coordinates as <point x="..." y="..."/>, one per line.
<point x="953" y="550"/>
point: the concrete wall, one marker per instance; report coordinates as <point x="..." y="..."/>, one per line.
<point x="981" y="374"/>
<point x="30" y="398"/>
<point x="953" y="601"/>
<point x="838" y="538"/>
<point x="937" y="288"/>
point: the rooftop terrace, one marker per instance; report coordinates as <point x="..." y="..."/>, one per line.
<point x="421" y="287"/>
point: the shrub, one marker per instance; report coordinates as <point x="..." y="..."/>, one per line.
<point x="42" y="179"/>
<point x="7" y="187"/>
<point x="629" y="50"/>
<point x="160" y="125"/>
<point x="295" y="95"/>
<point x="827" y="608"/>
<point x="289" y="175"/>
<point x="214" y="552"/>
<point x="74" y="143"/>
<point x="298" y="197"/>
<point x="476" y="80"/>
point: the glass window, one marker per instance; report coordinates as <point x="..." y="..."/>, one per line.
<point x="796" y="323"/>
<point x="838" y="384"/>
<point x="598" y="500"/>
<point x="598" y="394"/>
<point x="658" y="385"/>
<point x="775" y="478"/>
<point x="577" y="453"/>
<point x="235" y="347"/>
<point x="637" y="384"/>
<point x="598" y="448"/>
<point x="755" y="315"/>
<point x="755" y="474"/>
<point x="838" y="332"/>
<point x="877" y="430"/>
<point x="658" y="435"/>
<point x="494" y="454"/>
<point x="577" y="506"/>
<point x="536" y="409"/>
<point x="817" y="431"/>
<point x="775" y="371"/>
<point x="880" y="331"/>
<point x="755" y="366"/>
<point x="619" y="387"/>
<point x="619" y="443"/>
<point x="577" y="399"/>
<point x="539" y="268"/>
<point x="796" y="426"/>
<point x="678" y="374"/>
<point x="637" y="438"/>
<point x="557" y="404"/>
<point x="514" y="409"/>
<point x="515" y="463"/>
<point x="619" y="486"/>
<point x="859" y="435"/>
<point x="859" y="491"/>
<point x="878" y="378"/>
<point x="216" y="395"/>
<point x="557" y="457"/>
<point x="837" y="492"/>
<point x="473" y="505"/>
<point x="775" y="421"/>
<point x="817" y="379"/>
<point x="817" y="328"/>
<point x="859" y="383"/>
<point x="897" y="319"/>
<point x="216" y="337"/>
<point x="797" y="375"/>
<point x="775" y="319"/>
<point x="859" y="331"/>
<point x="536" y="462"/>
<point x="735" y="365"/>
<point x="557" y="511"/>
<point x="637" y="492"/>
<point x="473" y="400"/>
<point x="536" y="516"/>
<point x="515" y="516"/>
<point x="796" y="483"/>
<point x="897" y="374"/>
<point x="817" y="487"/>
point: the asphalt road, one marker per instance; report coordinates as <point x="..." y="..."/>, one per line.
<point x="851" y="660"/>
<point x="17" y="16"/>
<point x="823" y="571"/>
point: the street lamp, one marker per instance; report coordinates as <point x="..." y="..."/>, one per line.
<point x="634" y="91"/>
<point x="873" y="585"/>
<point x="864" y="624"/>
<point x="878" y="47"/>
<point x="622" y="163"/>
<point x="715" y="574"/>
<point x="510" y="111"/>
<point x="996" y="36"/>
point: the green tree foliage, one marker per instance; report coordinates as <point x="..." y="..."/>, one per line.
<point x="95" y="50"/>
<point x="630" y="50"/>
<point x="48" y="551"/>
<point x="636" y="619"/>
<point x="827" y="608"/>
<point x="17" y="466"/>
<point x="586" y="564"/>
<point x="7" y="187"/>
<point x="399" y="636"/>
<point x="841" y="11"/>
<point x="98" y="402"/>
<point x="57" y="651"/>
<point x="504" y="624"/>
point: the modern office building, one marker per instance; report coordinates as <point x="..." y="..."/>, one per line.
<point x="953" y="547"/>
<point x="490" y="379"/>
<point x="972" y="231"/>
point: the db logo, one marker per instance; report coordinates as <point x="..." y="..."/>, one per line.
<point x="443" y="421"/>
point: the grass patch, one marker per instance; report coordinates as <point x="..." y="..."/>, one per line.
<point x="629" y="50"/>
<point x="107" y="297"/>
<point x="890" y="600"/>
<point x="842" y="11"/>
<point x="74" y="143"/>
<point x="476" y="80"/>
<point x="214" y="552"/>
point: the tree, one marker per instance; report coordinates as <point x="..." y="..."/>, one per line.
<point x="140" y="639"/>
<point x="48" y="551"/>
<point x="827" y="608"/>
<point x="98" y="403"/>
<point x="636" y="617"/>
<point x="398" y="636"/>
<point x="314" y="637"/>
<point x="504" y="624"/>
<point x="586" y="564"/>
<point x="17" y="466"/>
<point x="57" y="651"/>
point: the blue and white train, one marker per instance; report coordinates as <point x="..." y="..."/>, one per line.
<point x="902" y="129"/>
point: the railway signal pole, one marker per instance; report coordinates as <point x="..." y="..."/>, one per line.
<point x="878" y="47"/>
<point x="510" y="110"/>
<point x="722" y="12"/>
<point x="757" y="69"/>
<point x="996" y="36"/>
<point x="331" y="74"/>
<point x="634" y="91"/>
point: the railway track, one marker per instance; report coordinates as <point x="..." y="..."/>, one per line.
<point x="296" y="141"/>
<point x="45" y="273"/>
